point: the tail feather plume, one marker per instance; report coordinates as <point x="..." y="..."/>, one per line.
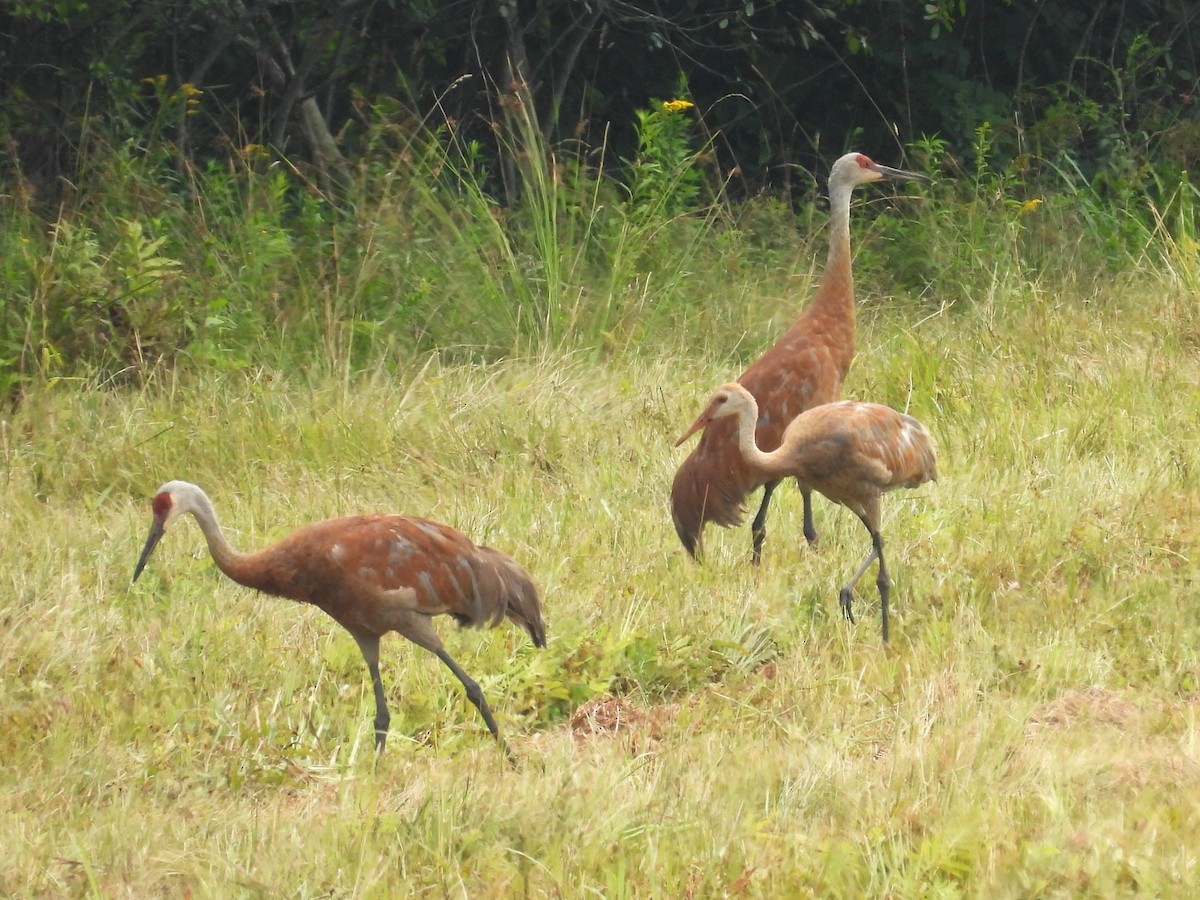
<point x="515" y="595"/>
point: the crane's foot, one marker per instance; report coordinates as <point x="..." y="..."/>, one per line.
<point x="758" y="538"/>
<point x="846" y="599"/>
<point x="511" y="758"/>
<point x="810" y="534"/>
<point x="883" y="585"/>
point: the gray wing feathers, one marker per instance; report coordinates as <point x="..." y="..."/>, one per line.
<point x="501" y="588"/>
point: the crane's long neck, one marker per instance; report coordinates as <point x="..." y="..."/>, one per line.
<point x="228" y="559"/>
<point x="769" y="463"/>
<point x="835" y="293"/>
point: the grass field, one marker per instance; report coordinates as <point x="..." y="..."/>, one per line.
<point x="690" y="731"/>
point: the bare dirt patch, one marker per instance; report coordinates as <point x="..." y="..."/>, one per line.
<point x="1085" y="706"/>
<point x="616" y="716"/>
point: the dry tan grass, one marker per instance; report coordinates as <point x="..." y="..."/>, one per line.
<point x="690" y="730"/>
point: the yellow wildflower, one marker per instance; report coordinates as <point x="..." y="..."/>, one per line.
<point x="677" y="105"/>
<point x="190" y="89"/>
<point x="1030" y="205"/>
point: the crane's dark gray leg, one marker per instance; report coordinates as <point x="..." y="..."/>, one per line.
<point x="383" y="718"/>
<point x="475" y="695"/>
<point x="369" y="644"/>
<point x="810" y="530"/>
<point x="417" y="628"/>
<point x="758" y="528"/>
<point x="846" y="595"/>
<point x="882" y="581"/>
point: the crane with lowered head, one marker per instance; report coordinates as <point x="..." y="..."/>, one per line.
<point x="804" y="368"/>
<point x="373" y="574"/>
<point x="848" y="451"/>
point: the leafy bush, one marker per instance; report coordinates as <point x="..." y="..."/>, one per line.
<point x="249" y="262"/>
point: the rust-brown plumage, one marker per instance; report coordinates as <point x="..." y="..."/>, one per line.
<point x="850" y="452"/>
<point x="373" y="574"/>
<point x="804" y="368"/>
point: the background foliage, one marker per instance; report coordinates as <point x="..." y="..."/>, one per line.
<point x="780" y="85"/>
<point x="243" y="182"/>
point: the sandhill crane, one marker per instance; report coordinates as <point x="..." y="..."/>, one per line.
<point x="373" y="574"/>
<point x="848" y="451"/>
<point x="803" y="369"/>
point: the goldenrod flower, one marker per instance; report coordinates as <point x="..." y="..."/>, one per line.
<point x="190" y="89"/>
<point x="1030" y="205"/>
<point x="677" y="105"/>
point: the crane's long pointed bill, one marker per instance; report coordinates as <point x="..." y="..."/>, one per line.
<point x="696" y="426"/>
<point x="156" y="532"/>
<point x="889" y="172"/>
